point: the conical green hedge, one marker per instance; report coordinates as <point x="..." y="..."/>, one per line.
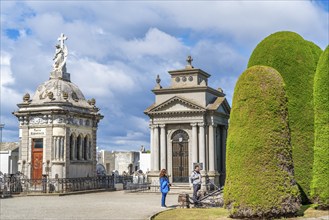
<point x="259" y="181"/>
<point x="296" y="60"/>
<point x="320" y="182"/>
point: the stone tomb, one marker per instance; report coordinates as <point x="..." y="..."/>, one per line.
<point x="57" y="127"/>
<point x="188" y="125"/>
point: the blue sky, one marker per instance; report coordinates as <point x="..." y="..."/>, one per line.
<point x="116" y="49"/>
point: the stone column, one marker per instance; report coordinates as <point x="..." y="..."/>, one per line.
<point x="194" y="144"/>
<point x="224" y="147"/>
<point x="202" y="154"/>
<point x="169" y="159"/>
<point x="62" y="149"/>
<point x="152" y="147"/>
<point x="211" y="148"/>
<point x="163" y="152"/>
<point x="156" y="148"/>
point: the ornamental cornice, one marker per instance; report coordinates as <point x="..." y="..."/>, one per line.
<point x="188" y="89"/>
<point x="176" y="112"/>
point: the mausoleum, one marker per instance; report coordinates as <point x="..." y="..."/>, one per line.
<point x="57" y="126"/>
<point x="188" y="125"/>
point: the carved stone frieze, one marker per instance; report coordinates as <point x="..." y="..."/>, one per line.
<point x="37" y="120"/>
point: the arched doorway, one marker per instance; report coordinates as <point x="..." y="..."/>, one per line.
<point x="180" y="156"/>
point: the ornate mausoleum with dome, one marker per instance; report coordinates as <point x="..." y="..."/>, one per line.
<point x="57" y="127"/>
<point x="188" y="125"/>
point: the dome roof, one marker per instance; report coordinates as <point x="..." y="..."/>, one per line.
<point x="59" y="90"/>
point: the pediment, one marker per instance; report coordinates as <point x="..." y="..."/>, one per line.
<point x="176" y="104"/>
<point x="220" y="105"/>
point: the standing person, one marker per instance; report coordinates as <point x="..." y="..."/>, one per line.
<point x="164" y="186"/>
<point x="196" y="180"/>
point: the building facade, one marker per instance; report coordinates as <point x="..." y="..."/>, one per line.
<point x="9" y="157"/>
<point x="188" y="125"/>
<point x="57" y="127"/>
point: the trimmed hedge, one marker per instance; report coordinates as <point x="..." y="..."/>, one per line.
<point x="259" y="181"/>
<point x="296" y="60"/>
<point x="320" y="182"/>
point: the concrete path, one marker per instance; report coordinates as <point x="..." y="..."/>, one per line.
<point x="104" y="205"/>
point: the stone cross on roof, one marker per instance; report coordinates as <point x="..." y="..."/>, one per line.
<point x="189" y="62"/>
<point x="61" y="40"/>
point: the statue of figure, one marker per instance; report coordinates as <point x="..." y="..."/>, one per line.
<point x="60" y="55"/>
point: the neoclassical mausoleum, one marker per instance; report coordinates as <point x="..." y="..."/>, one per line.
<point x="57" y="127"/>
<point x="188" y="125"/>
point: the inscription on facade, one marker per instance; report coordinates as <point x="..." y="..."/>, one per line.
<point x="38" y="132"/>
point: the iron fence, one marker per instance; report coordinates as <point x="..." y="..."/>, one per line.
<point x="18" y="183"/>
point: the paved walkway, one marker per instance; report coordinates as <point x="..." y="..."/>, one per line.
<point x="103" y="205"/>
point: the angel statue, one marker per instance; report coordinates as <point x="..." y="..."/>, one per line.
<point x="60" y="55"/>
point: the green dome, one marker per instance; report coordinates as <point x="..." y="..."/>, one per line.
<point x="259" y="181"/>
<point x="320" y="182"/>
<point x="295" y="59"/>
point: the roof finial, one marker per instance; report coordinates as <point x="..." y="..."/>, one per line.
<point x="189" y="62"/>
<point x="158" y="80"/>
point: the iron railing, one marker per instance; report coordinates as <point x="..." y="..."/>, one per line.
<point x="18" y="183"/>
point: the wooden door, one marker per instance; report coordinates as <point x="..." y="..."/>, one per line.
<point x="180" y="156"/>
<point x="37" y="157"/>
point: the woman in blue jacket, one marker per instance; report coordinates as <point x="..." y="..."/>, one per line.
<point x="164" y="186"/>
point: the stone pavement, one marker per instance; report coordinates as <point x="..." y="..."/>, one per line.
<point x="103" y="205"/>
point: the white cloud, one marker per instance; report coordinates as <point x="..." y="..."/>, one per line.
<point x="155" y="43"/>
<point x="6" y="77"/>
<point x="99" y="80"/>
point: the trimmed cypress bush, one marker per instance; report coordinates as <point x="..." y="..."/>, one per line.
<point x="320" y="182"/>
<point x="259" y="181"/>
<point x="296" y="60"/>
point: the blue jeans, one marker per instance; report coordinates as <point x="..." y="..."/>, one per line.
<point x="196" y="188"/>
<point x="163" y="199"/>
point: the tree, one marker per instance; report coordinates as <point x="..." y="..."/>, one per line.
<point x="296" y="60"/>
<point x="320" y="182"/>
<point x="259" y="165"/>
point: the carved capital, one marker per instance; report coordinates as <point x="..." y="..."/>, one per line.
<point x="162" y="125"/>
<point x="194" y="124"/>
<point x="201" y="124"/>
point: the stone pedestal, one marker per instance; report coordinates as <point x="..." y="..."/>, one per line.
<point x="153" y="177"/>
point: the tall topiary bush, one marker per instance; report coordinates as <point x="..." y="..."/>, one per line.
<point x="259" y="165"/>
<point x="320" y="182"/>
<point x="296" y="60"/>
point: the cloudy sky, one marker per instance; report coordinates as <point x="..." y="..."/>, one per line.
<point x="116" y="49"/>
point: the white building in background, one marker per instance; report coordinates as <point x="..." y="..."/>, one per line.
<point x="144" y="160"/>
<point x="188" y="125"/>
<point x="125" y="161"/>
<point x="120" y="161"/>
<point x="9" y="157"/>
<point x="57" y="126"/>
